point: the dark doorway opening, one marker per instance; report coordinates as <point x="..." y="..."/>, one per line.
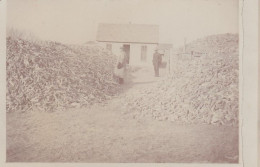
<point x="127" y="51"/>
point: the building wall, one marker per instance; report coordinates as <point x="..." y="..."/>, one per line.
<point x="135" y="52"/>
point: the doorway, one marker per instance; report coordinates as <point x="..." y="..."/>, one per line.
<point x="127" y="51"/>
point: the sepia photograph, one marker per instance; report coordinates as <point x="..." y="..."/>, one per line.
<point x="120" y="81"/>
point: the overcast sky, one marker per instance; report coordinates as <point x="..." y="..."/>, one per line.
<point x="75" y="21"/>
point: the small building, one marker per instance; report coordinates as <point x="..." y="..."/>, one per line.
<point x="166" y="50"/>
<point x="138" y="40"/>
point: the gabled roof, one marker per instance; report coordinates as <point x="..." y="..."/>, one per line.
<point x="128" y="33"/>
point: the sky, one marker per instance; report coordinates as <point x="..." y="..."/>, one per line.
<point x="76" y="21"/>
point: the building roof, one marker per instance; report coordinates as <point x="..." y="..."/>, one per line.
<point x="163" y="46"/>
<point x="128" y="33"/>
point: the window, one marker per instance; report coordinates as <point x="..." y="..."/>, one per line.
<point x="143" y="53"/>
<point x="109" y="46"/>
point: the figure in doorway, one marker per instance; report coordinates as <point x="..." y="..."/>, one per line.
<point x="120" y="70"/>
<point x="156" y="63"/>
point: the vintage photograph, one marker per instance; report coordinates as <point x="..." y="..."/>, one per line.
<point x="120" y="81"/>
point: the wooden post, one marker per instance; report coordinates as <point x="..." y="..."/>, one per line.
<point x="184" y="45"/>
<point x="169" y="61"/>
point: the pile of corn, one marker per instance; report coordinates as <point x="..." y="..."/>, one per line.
<point x="221" y="43"/>
<point x="50" y="76"/>
<point x="201" y="90"/>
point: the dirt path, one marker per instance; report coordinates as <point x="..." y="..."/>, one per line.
<point x="105" y="133"/>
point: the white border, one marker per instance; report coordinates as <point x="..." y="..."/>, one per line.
<point x="248" y="93"/>
<point x="249" y="81"/>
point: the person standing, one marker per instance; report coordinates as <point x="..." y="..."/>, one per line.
<point x="160" y="61"/>
<point x="121" y="66"/>
<point x="156" y="61"/>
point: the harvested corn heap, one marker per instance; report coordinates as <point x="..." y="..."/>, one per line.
<point x="222" y="43"/>
<point x="51" y="76"/>
<point x="201" y="90"/>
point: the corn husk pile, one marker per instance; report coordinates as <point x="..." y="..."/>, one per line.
<point x="51" y="76"/>
<point x="221" y="43"/>
<point x="201" y="90"/>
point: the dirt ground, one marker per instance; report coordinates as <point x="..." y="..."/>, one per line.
<point x="106" y="133"/>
